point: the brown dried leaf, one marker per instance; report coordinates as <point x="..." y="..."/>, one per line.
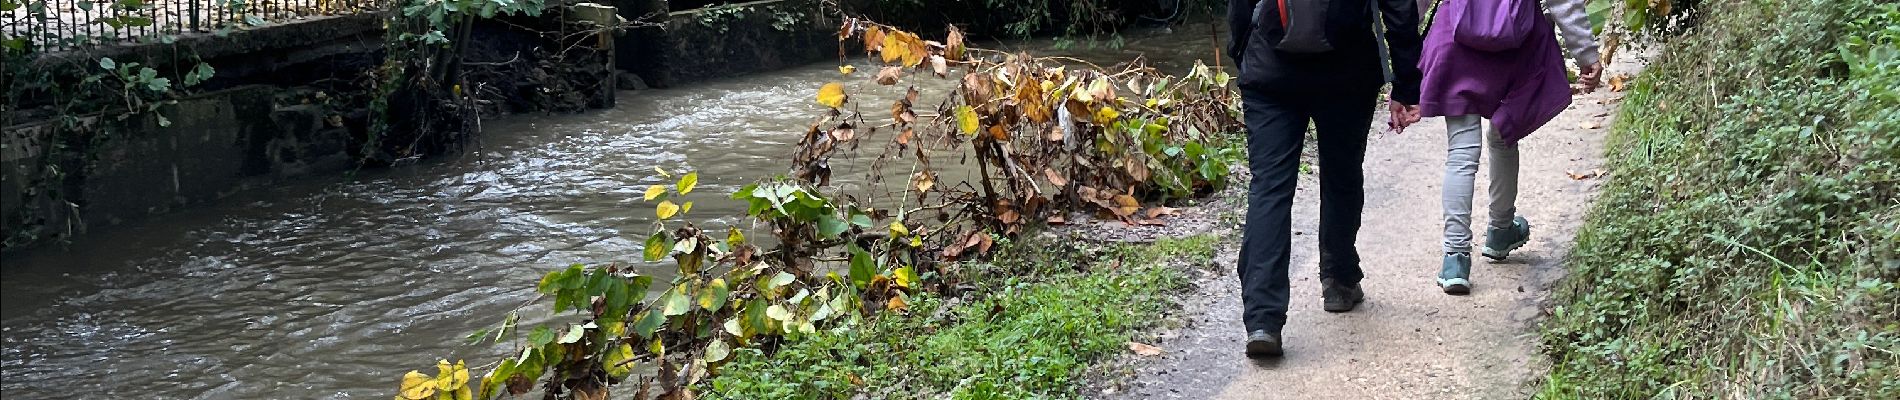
<point x="1162" y="211"/>
<point x="1055" y="178"/>
<point x="1584" y="175"/>
<point x="1125" y="205"/>
<point x="999" y="133"/>
<point x="1590" y="124"/>
<point x="843" y="133"/>
<point x="1619" y="82"/>
<point x="976" y="89"/>
<point x="923" y="181"/>
<point x="904" y="138"/>
<point x="1143" y="349"/>
<point x="938" y="65"/>
<point x="1147" y="221"/>
<point x="953" y="44"/>
<point x="873" y="39"/>
<point x="1053" y="133"/>
<point x="1057" y="220"/>
<point x="888" y="76"/>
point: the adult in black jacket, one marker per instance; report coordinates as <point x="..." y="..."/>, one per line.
<point x="1336" y="91"/>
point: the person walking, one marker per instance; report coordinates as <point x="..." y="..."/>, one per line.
<point x="1497" y="60"/>
<point x="1319" y="62"/>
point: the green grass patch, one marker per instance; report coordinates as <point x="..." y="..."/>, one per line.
<point x="1746" y="246"/>
<point x="1042" y="312"/>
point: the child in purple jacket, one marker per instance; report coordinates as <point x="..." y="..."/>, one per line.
<point x="1519" y="89"/>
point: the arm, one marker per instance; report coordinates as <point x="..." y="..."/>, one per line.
<point x="1574" y="21"/>
<point x="1239" y="28"/>
<point x="1403" y="42"/>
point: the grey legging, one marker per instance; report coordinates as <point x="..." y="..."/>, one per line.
<point x="1464" y="146"/>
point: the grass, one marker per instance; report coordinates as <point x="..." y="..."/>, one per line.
<point x="1041" y="314"/>
<point x="1746" y="247"/>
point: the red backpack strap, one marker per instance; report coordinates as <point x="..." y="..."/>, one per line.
<point x="1283" y="20"/>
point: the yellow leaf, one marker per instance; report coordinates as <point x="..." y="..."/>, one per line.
<point x="897" y="304"/>
<point x="832" y="95"/>
<point x="898" y="229"/>
<point x="873" y="38"/>
<point x="966" y="120"/>
<point x="687" y="182"/>
<point x="662" y="172"/>
<point x="686" y="207"/>
<point x="847" y="69"/>
<point x="667" y="209"/>
<point x="893" y="48"/>
<point x="416" y="386"/>
<point x="654" y="192"/>
<point x="1106" y="115"/>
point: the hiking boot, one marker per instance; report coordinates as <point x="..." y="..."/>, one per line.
<point x="1498" y="243"/>
<point x="1261" y="343"/>
<point x="1340" y="297"/>
<point x="1455" y="277"/>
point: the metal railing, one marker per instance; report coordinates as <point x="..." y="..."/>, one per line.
<point x="59" y="25"/>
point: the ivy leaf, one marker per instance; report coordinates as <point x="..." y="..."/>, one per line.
<point x="104" y="62"/>
<point x="861" y="220"/>
<point x="654" y="192"/>
<point x="687" y="182"/>
<point x="966" y="119"/>
<point x="574" y="334"/>
<point x="158" y="84"/>
<point x="832" y="95"/>
<point x="667" y="209"/>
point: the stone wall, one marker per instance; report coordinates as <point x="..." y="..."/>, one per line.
<point x="217" y="144"/>
<point x="729" y="40"/>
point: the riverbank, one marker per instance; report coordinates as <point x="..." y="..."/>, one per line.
<point x="1745" y="245"/>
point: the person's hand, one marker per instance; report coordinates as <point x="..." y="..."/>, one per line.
<point x="1590" y="77"/>
<point x="1403" y="115"/>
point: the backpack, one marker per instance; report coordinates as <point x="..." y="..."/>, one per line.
<point x="1307" y="24"/>
<point x="1496" y="25"/>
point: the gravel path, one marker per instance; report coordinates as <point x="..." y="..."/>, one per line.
<point x="1409" y="340"/>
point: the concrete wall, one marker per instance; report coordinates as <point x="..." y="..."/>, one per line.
<point x="218" y="144"/>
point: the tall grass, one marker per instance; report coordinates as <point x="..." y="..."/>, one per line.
<point x="1746" y="244"/>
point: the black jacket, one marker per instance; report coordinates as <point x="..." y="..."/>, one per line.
<point x="1354" y="62"/>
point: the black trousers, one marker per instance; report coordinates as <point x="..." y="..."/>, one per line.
<point x="1276" y="129"/>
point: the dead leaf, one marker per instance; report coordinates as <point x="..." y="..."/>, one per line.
<point x="1057" y="220"/>
<point x="1585" y="175"/>
<point x="897" y="304"/>
<point x="1143" y="349"/>
<point x="999" y="132"/>
<point x="904" y="138"/>
<point x="1146" y="221"/>
<point x="938" y="65"/>
<point x="1055" y="178"/>
<point x="922" y="181"/>
<point x="1160" y="211"/>
<point x="1590" y="125"/>
<point x="843" y="132"/>
<point x="953" y="44"/>
<point x="1126" y="205"/>
<point x="888" y="76"/>
<point x="873" y="39"/>
<point x="1619" y="82"/>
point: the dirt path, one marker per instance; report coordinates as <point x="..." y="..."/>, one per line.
<point x="1409" y="340"/>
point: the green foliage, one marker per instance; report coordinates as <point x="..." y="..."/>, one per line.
<point x="1747" y="245"/>
<point x="1028" y="338"/>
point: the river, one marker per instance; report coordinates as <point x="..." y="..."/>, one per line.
<point x="333" y="288"/>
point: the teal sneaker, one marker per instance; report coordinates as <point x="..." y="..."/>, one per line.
<point x="1455" y="277"/>
<point x="1498" y="243"/>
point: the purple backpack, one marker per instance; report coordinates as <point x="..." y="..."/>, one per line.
<point x="1496" y="25"/>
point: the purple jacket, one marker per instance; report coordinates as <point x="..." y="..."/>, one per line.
<point x="1519" y="89"/>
